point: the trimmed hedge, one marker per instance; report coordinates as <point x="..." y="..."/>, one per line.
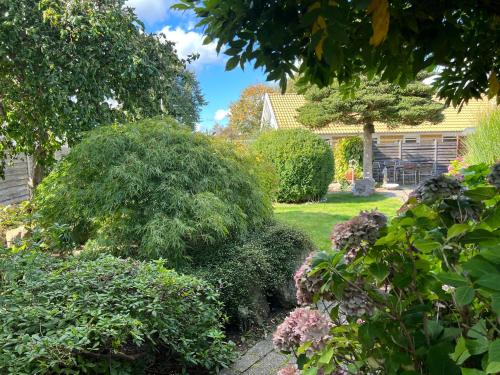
<point x="153" y="189"/>
<point x="350" y="148"/>
<point x="303" y="162"/>
<point x="105" y="315"/>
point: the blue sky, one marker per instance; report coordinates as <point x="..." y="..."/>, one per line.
<point x="219" y="87"/>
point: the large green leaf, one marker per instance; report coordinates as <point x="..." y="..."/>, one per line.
<point x="493" y="366"/>
<point x="490" y="281"/>
<point x="464" y="295"/>
<point x="457" y="230"/>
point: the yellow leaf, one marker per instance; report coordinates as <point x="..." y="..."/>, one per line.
<point x="493" y="85"/>
<point x="319" y="25"/>
<point x="379" y="10"/>
<point x="319" y="48"/>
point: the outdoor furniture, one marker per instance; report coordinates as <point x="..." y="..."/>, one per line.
<point x="409" y="172"/>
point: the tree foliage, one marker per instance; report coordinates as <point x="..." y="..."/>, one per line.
<point x="373" y="101"/>
<point x="339" y="40"/>
<point x="153" y="189"/>
<point x="418" y="296"/>
<point x="247" y="110"/>
<point x="303" y="162"/>
<point x="68" y="66"/>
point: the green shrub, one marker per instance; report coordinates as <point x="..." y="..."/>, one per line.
<point x="347" y="149"/>
<point x="303" y="162"/>
<point x="257" y="272"/>
<point x="153" y="189"/>
<point x="483" y="146"/>
<point x="107" y="315"/>
<point x="417" y="296"/>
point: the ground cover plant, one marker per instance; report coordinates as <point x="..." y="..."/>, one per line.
<point x="302" y="160"/>
<point x="419" y="295"/>
<point x="316" y="219"/>
<point x="105" y="315"/>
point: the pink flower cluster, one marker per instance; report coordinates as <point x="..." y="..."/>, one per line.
<point x="358" y="234"/>
<point x="307" y="285"/>
<point x="303" y="325"/>
<point x="289" y="370"/>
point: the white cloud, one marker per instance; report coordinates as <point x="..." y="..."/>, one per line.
<point x="189" y="42"/>
<point x="221" y="114"/>
<point x="151" y="11"/>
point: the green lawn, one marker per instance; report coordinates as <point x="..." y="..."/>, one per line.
<point x="317" y="219"/>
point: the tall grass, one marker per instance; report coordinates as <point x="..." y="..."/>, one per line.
<point x="483" y="146"/>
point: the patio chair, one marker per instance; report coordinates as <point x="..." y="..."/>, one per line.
<point x="409" y="173"/>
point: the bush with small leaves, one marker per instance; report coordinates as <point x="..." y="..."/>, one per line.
<point x="255" y="272"/>
<point x="105" y="314"/>
<point x="303" y="162"/>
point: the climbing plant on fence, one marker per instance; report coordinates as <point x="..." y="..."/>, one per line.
<point x="346" y="149"/>
<point x="418" y="296"/>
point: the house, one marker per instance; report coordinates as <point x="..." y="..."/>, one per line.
<point x="436" y="144"/>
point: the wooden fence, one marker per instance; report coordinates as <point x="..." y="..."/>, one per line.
<point x="16" y="185"/>
<point x="436" y="153"/>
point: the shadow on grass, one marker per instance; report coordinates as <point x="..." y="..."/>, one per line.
<point x="345" y="197"/>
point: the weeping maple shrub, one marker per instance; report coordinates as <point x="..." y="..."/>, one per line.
<point x="153" y="189"/>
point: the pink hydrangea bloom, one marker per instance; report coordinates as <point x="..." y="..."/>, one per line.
<point x="289" y="370"/>
<point x="305" y="284"/>
<point x="303" y="325"/>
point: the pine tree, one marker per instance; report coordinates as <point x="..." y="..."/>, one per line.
<point x="373" y="101"/>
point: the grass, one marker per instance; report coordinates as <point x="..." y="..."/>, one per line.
<point x="317" y="219"/>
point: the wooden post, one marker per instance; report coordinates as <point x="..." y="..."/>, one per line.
<point x="435" y="155"/>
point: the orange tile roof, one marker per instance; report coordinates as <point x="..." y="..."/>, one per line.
<point x="285" y="110"/>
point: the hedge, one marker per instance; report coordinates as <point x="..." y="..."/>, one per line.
<point x="303" y="162"/>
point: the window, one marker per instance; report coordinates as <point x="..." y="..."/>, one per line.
<point x="410" y="139"/>
<point x="449" y="138"/>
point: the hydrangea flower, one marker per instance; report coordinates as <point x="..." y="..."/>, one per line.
<point x="354" y="303"/>
<point x="303" y="325"/>
<point x="436" y="188"/>
<point x="358" y="234"/>
<point x="494" y="176"/>
<point x="307" y="285"/>
<point x="289" y="370"/>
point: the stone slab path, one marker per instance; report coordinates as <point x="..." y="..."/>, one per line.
<point x="261" y="359"/>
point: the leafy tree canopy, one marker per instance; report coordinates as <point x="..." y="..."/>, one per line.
<point x="63" y="62"/>
<point x="374" y="101"/>
<point x="338" y="40"/>
<point x="247" y="110"/>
